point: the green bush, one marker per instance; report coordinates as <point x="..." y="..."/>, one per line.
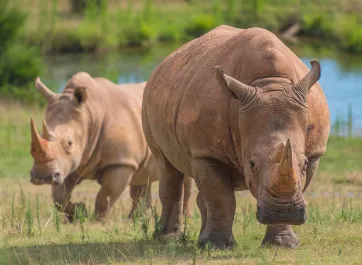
<point x="200" y="24"/>
<point x="139" y="33"/>
<point x="19" y="64"/>
<point x="79" y="6"/>
<point x="351" y="33"/>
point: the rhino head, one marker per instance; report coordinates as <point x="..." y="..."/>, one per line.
<point x="272" y="124"/>
<point x="58" y="151"/>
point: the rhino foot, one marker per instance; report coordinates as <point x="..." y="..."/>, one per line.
<point x="280" y="236"/>
<point x="216" y="241"/>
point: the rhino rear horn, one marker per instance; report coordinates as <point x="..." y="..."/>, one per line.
<point x="286" y="164"/>
<point x="311" y="78"/>
<point x="47" y="133"/>
<point x="286" y="180"/>
<point x="44" y="90"/>
<point x="242" y="91"/>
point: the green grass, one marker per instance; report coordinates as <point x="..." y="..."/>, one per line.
<point x="31" y="232"/>
<point x="148" y="21"/>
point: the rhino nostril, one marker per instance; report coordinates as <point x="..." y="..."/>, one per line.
<point x="56" y="176"/>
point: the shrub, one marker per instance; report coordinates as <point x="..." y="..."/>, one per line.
<point x="19" y="64"/>
<point x="200" y="24"/>
<point x="79" y="6"/>
<point x="351" y="33"/>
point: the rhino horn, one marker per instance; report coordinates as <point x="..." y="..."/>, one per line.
<point x="47" y="134"/>
<point x="36" y="140"/>
<point x="286" y="180"/>
<point x="44" y="90"/>
<point x="311" y="78"/>
<point x="242" y="91"/>
<point x="286" y="164"/>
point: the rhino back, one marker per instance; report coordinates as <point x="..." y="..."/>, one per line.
<point x="188" y="112"/>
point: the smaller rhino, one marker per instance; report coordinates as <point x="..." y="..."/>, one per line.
<point x="93" y="130"/>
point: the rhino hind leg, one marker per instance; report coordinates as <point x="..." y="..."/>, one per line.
<point x="281" y="236"/>
<point x="141" y="199"/>
<point x="113" y="182"/>
<point x="187" y="195"/>
<point x="171" y="197"/>
<point x="218" y="198"/>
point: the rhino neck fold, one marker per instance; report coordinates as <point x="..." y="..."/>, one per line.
<point x="95" y="111"/>
<point x="236" y="159"/>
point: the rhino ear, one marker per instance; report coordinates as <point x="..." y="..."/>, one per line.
<point x="311" y="78"/>
<point x="242" y="91"/>
<point x="80" y="95"/>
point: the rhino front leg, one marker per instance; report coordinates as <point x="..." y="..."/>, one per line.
<point x="217" y="195"/>
<point x="113" y="182"/>
<point x="61" y="197"/>
<point x="281" y="236"/>
<point x="139" y="193"/>
<point x="203" y="212"/>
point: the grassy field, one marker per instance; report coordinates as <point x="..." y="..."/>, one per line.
<point x="32" y="232"/>
<point x="144" y="22"/>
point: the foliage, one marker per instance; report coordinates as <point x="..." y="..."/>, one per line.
<point x="79" y="6"/>
<point x="108" y="25"/>
<point x="19" y="63"/>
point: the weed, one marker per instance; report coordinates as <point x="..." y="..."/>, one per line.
<point x="145" y="226"/>
<point x="29" y="219"/>
<point x="80" y="216"/>
<point x="194" y="253"/>
<point x="12" y="211"/>
<point x="184" y="237"/>
<point x="208" y="248"/>
<point x="247" y="215"/>
<point x="56" y="218"/>
<point x="157" y="233"/>
<point x="37" y="207"/>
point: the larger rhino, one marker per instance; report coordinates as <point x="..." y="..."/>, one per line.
<point x="263" y="127"/>
<point x="93" y="130"/>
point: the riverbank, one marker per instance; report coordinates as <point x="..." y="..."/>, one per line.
<point x="144" y="23"/>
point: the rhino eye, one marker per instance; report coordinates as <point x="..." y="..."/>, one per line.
<point x="252" y="164"/>
<point x="304" y="169"/>
<point x="70" y="143"/>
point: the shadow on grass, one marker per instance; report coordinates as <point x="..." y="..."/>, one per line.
<point x="104" y="253"/>
<point x="97" y="253"/>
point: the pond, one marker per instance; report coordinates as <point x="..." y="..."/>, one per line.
<point x="341" y="75"/>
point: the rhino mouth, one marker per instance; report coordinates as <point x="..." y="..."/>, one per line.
<point x="50" y="179"/>
<point x="40" y="181"/>
<point x="271" y="211"/>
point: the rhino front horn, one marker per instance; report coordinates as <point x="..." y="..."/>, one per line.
<point x="311" y="78"/>
<point x="35" y="137"/>
<point x="44" y="90"/>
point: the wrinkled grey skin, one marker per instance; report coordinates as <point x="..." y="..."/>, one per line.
<point x="236" y="109"/>
<point x="92" y="130"/>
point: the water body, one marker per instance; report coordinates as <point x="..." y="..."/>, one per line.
<point x="341" y="74"/>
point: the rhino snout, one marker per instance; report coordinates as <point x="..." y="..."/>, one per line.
<point x="280" y="210"/>
<point x="287" y="217"/>
<point x="52" y="178"/>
